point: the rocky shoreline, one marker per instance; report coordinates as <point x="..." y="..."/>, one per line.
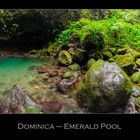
<point x="12" y="53"/>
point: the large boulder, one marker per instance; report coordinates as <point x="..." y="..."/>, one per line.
<point x="105" y="87"/>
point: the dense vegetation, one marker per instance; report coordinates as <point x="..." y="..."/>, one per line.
<point x="120" y="29"/>
<point x="116" y="28"/>
<point x="41" y="28"/>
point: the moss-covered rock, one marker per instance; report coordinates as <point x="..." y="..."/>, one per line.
<point x="122" y="51"/>
<point x="68" y="75"/>
<point x="138" y="62"/>
<point x="106" y="55"/>
<point x="79" y="56"/>
<point x="111" y="59"/>
<point x="136" y="77"/>
<point x="126" y="62"/>
<point x="64" y="58"/>
<point x="105" y="87"/>
<point x="74" y="67"/>
<point x="90" y="62"/>
<point x="113" y="50"/>
<point x="133" y="52"/>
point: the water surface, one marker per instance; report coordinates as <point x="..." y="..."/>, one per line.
<point x="16" y="70"/>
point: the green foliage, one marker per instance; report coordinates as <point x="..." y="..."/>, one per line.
<point x="115" y="30"/>
<point x="6" y="27"/>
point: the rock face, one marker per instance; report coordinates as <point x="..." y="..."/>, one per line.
<point x="104" y="88"/>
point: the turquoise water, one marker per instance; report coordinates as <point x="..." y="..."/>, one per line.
<point x="15" y="70"/>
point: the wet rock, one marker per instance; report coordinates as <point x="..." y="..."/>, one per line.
<point x="74" y="67"/>
<point x="16" y="101"/>
<point x="105" y="87"/>
<point x="135" y="92"/>
<point x="42" y="69"/>
<point x="53" y="73"/>
<point x="136" y="77"/>
<point x="65" y="85"/>
<point x="64" y="58"/>
<point x="51" y="107"/>
<point x="130" y="106"/>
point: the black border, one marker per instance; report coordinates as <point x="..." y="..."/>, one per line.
<point x="128" y="122"/>
<point x="70" y="4"/>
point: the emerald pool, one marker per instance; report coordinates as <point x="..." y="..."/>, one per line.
<point x="16" y="70"/>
